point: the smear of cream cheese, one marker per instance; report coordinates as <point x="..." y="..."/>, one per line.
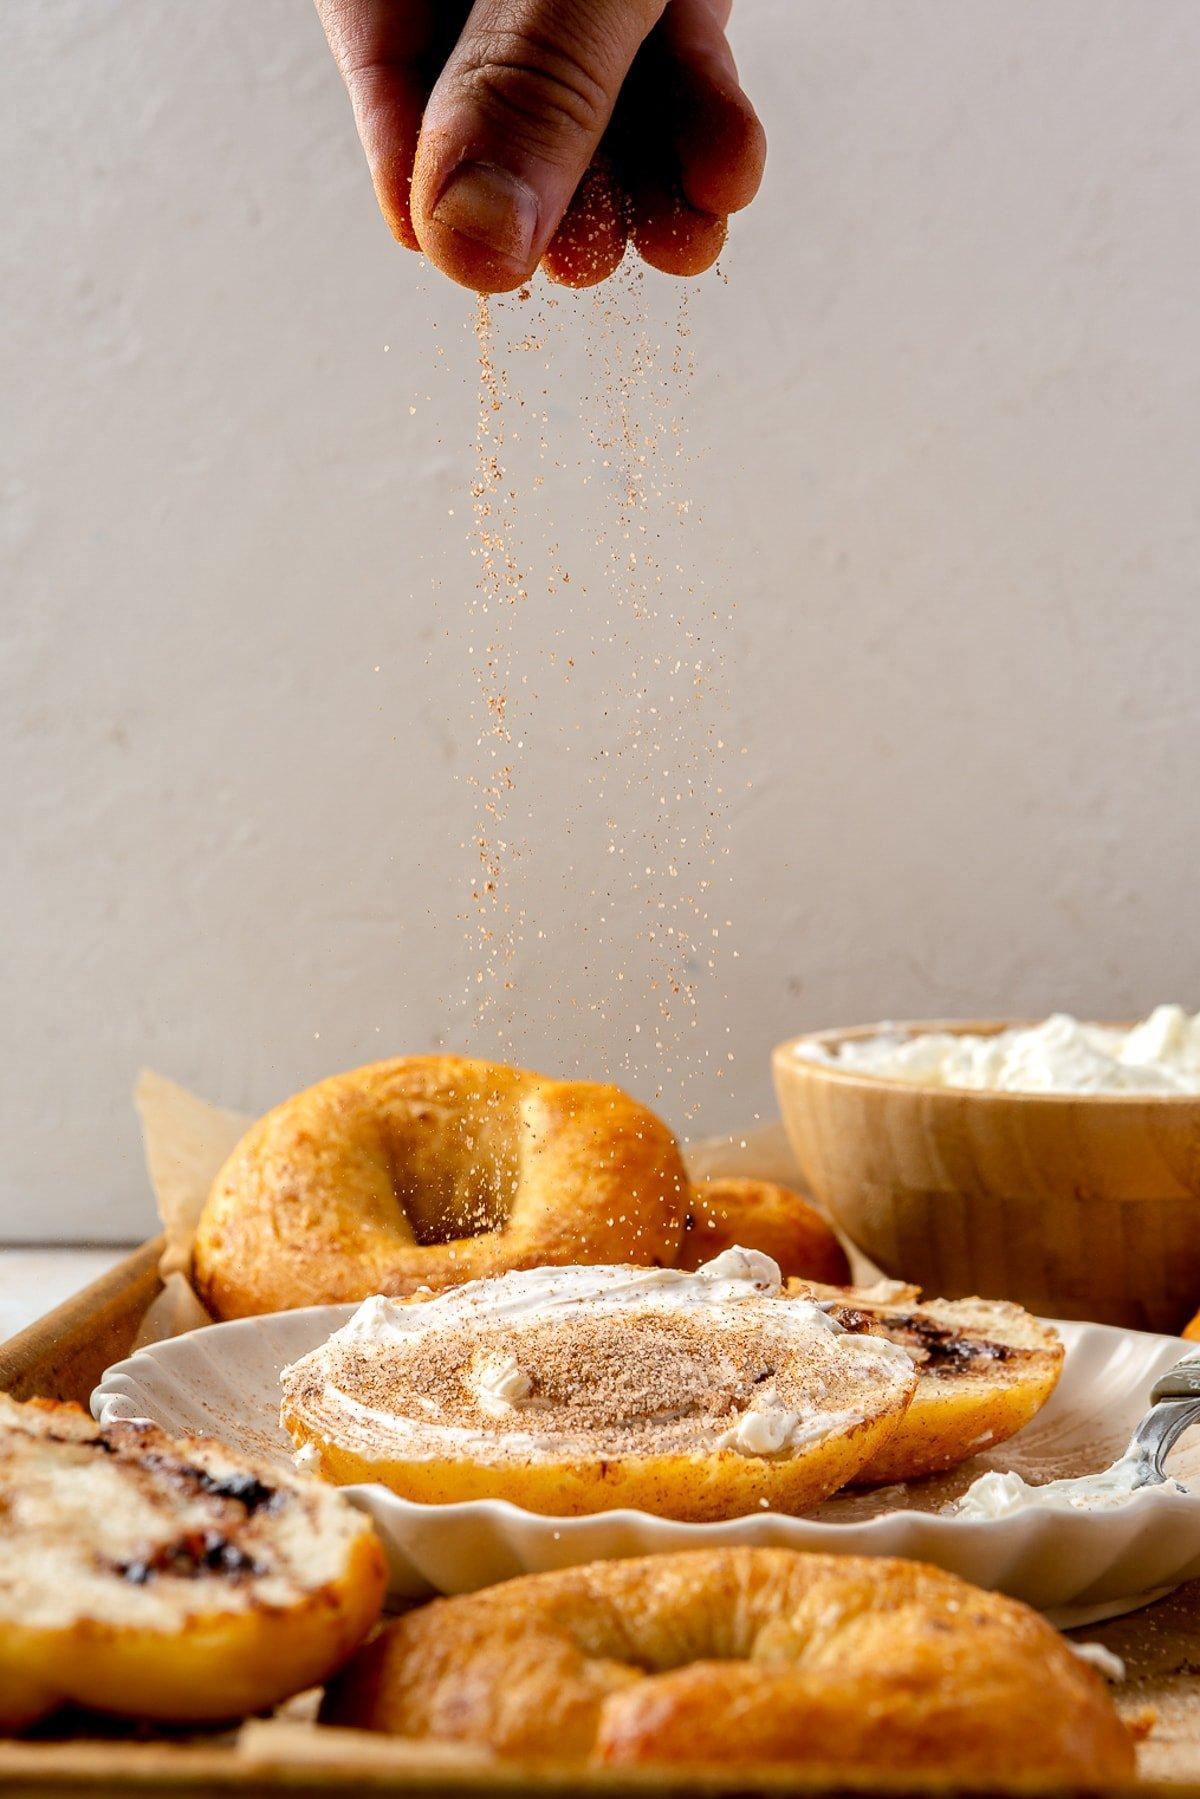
<point x="733" y="1276"/>
<point x="996" y="1495"/>
<point x="776" y="1430"/>
<point x="725" y="1287"/>
<point x="1103" y="1660"/>
<point x="502" y="1384"/>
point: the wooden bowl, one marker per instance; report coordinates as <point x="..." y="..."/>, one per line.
<point x="1074" y="1205"/>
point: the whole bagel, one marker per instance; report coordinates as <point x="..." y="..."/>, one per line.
<point x="746" y="1656"/>
<point x="430" y="1170"/>
<point x="729" y="1211"/>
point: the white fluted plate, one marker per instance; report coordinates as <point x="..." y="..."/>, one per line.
<point x="223" y="1381"/>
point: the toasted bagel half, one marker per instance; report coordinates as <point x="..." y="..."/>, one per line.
<point x="163" y="1580"/>
<point x="984" y="1369"/>
<point x="695" y="1396"/>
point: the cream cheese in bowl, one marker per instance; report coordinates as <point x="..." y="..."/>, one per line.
<point x="1060" y="1055"/>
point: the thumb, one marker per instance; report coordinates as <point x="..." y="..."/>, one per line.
<point x="511" y="126"/>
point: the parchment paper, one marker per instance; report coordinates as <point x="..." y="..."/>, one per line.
<point x="185" y="1140"/>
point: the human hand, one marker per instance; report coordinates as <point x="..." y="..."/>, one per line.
<point x="512" y="132"/>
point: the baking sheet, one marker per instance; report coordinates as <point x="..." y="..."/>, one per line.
<point x="62" y="1356"/>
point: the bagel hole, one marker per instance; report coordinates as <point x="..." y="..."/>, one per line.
<point x="449" y="1181"/>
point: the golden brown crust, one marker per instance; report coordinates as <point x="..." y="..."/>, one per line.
<point x="223" y="1666"/>
<point x="746" y="1656"/>
<point x="694" y="1489"/>
<point x="733" y="1212"/>
<point x="430" y="1170"/>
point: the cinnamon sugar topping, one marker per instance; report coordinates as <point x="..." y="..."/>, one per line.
<point x="595" y="1361"/>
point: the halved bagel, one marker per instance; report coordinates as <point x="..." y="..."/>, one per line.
<point x="984" y="1369"/>
<point x="697" y="1396"/>
<point x="166" y="1580"/>
<point x="749" y="1657"/>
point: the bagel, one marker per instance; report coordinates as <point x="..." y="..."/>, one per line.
<point x="984" y="1368"/>
<point x="572" y="1390"/>
<point x="730" y="1212"/>
<point x="746" y="1656"/>
<point x="169" y="1581"/>
<point x="428" y="1171"/>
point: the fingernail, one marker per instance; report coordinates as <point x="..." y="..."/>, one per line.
<point x="491" y="207"/>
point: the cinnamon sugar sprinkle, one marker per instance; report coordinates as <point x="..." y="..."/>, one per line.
<point x="638" y="1379"/>
<point x="598" y="701"/>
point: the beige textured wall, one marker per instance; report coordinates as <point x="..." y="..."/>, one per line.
<point x="946" y="510"/>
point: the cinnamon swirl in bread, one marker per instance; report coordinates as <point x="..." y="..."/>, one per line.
<point x="984" y="1368"/>
<point x="162" y="1580"/>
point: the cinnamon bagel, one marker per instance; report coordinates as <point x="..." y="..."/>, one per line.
<point x="984" y="1368"/>
<point x="428" y="1171"/>
<point x="730" y="1212"/>
<point x="155" y="1579"/>
<point x="746" y="1656"/>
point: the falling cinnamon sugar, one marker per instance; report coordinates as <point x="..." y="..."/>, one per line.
<point x="600" y="698"/>
<point x="500" y="586"/>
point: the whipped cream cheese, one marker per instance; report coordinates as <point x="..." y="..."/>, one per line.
<point x="772" y="1429"/>
<point x="1061" y="1055"/>
<point x="996" y="1495"/>
<point x="735" y="1275"/>
<point x="501" y="1385"/>
<point x="585" y="1361"/>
